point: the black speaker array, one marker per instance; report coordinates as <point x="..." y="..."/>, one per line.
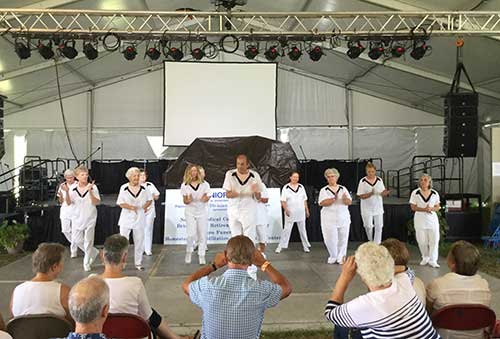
<point x="461" y="124"/>
<point x="2" y="141"/>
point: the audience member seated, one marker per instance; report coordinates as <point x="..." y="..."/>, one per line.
<point x="43" y="294"/>
<point x="390" y="309"/>
<point x="3" y="334"/>
<point x="461" y="286"/>
<point x="89" y="306"/>
<point x="233" y="304"/>
<point x="127" y="294"/>
<point x="399" y="252"/>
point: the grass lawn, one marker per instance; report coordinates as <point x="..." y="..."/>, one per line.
<point x="299" y="334"/>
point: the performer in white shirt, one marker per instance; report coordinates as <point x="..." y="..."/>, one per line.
<point x="84" y="197"/>
<point x="66" y="211"/>
<point x="425" y="202"/>
<point x="135" y="200"/>
<point x="150" y="213"/>
<point x="242" y="187"/>
<point x="371" y="189"/>
<point x="294" y="203"/>
<point x="195" y="193"/>
<point x="335" y="217"/>
<point x="262" y="219"/>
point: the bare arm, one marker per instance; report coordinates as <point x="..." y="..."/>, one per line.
<point x="128" y="207"/>
<point x="348" y="273"/>
<point x="415" y="208"/>
<point x="283" y="205"/>
<point x="156" y="196"/>
<point x="64" y="295"/>
<point x="365" y="196"/>
<point x="306" y="206"/>
<point x="147" y="204"/>
<point x="327" y="202"/>
<point x="186" y="199"/>
<point x="275" y="276"/>
<point x="231" y="194"/>
<point x="264" y="200"/>
<point x="219" y="261"/>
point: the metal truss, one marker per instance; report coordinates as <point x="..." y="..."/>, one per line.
<point x="185" y="25"/>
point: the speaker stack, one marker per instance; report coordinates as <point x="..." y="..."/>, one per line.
<point x="2" y="141"/>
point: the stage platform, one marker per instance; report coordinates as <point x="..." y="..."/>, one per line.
<point x="312" y="280"/>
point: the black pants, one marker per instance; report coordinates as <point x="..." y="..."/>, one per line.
<point x="154" y="322"/>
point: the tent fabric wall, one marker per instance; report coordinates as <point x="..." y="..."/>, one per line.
<point x="51" y="144"/>
<point x="319" y="143"/>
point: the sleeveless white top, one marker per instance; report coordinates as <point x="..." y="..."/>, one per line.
<point x="37" y="297"/>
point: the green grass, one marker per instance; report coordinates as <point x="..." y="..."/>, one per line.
<point x="299" y="334"/>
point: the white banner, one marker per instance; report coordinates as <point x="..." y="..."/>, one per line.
<point x="218" y="228"/>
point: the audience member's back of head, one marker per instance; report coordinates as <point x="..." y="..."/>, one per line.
<point x="375" y="265"/>
<point x="87" y="300"/>
<point x="115" y="246"/>
<point x="398" y="250"/>
<point x="464" y="258"/>
<point x="240" y="250"/>
<point x="46" y="256"/>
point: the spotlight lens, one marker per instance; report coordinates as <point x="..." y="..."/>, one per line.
<point x="90" y="52"/>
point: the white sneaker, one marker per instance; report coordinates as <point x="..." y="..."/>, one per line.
<point x="331" y="260"/>
<point x="149" y="254"/>
<point x="202" y="260"/>
<point x="307" y="250"/>
<point x="74" y="255"/>
<point x="424" y="262"/>
<point x="92" y="258"/>
<point x="278" y="249"/>
<point x="434" y="264"/>
<point x="139" y="267"/>
<point x="86" y="268"/>
<point x="187" y="260"/>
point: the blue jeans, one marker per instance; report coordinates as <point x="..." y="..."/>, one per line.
<point x="343" y="333"/>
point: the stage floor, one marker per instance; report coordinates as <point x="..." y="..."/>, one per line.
<point x="312" y="280"/>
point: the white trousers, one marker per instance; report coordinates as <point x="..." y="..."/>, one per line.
<point x="287" y="231"/>
<point x="336" y="239"/>
<point x="243" y="222"/>
<point x="138" y="234"/>
<point x="261" y="234"/>
<point x="196" y="230"/>
<point x="66" y="230"/>
<point x="428" y="243"/>
<point x="148" y="233"/>
<point x="84" y="239"/>
<point x="373" y="221"/>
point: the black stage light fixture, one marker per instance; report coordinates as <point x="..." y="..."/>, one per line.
<point x="67" y="48"/>
<point x="251" y="51"/>
<point x="354" y="50"/>
<point x="197" y="53"/>
<point x="153" y="53"/>
<point x="176" y="53"/>
<point x="295" y="53"/>
<point x="316" y="53"/>
<point x="130" y="52"/>
<point x="22" y="50"/>
<point x="419" y="50"/>
<point x="398" y="50"/>
<point x="45" y="50"/>
<point x="90" y="51"/>
<point x="272" y="53"/>
<point x="376" y="51"/>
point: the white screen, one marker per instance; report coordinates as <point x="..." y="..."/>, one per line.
<point x="218" y="100"/>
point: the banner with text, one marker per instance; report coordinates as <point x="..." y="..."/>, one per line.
<point x="218" y="228"/>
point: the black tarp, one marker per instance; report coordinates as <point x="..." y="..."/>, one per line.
<point x="273" y="160"/>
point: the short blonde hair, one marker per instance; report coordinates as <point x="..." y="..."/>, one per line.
<point x="375" y="264"/>
<point x="398" y="251"/>
<point x="187" y="174"/>
<point x="240" y="250"/>
<point x="131" y="171"/>
<point x="370" y="164"/>
<point x="333" y="171"/>
<point x="69" y="173"/>
<point x="81" y="169"/>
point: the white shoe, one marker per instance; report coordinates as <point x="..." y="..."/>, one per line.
<point x="86" y="268"/>
<point x="331" y="260"/>
<point x="424" y="262"/>
<point x="202" y="260"/>
<point x="187" y="260"/>
<point x="307" y="250"/>
<point x="434" y="264"/>
<point x="278" y="249"/>
<point x="92" y="258"/>
<point x="149" y="254"/>
<point x="341" y="261"/>
<point x="139" y="267"/>
<point x="74" y="255"/>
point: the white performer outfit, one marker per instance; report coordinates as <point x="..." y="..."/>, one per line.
<point x="295" y="200"/>
<point x="335" y="222"/>
<point x="66" y="215"/>
<point x="426" y="225"/>
<point x="196" y="214"/>
<point x="372" y="208"/>
<point x="83" y="223"/>
<point x="262" y="217"/>
<point x="242" y="210"/>
<point x="150" y="218"/>
<point x="134" y="220"/>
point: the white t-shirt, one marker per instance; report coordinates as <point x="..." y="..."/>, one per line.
<point x="373" y="205"/>
<point x="37" y="297"/>
<point x="154" y="192"/>
<point x="4" y="335"/>
<point x="262" y="216"/>
<point x="337" y="214"/>
<point x="128" y="295"/>
<point x="85" y="213"/>
<point x="128" y="218"/>
<point x="66" y="211"/>
<point x="294" y="200"/>
<point x="197" y="206"/>
<point x="454" y="288"/>
<point x="425" y="220"/>
<point x="233" y="183"/>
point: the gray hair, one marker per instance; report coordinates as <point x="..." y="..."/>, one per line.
<point x="333" y="171"/>
<point x="375" y="264"/>
<point x="131" y="171"/>
<point x="69" y="173"/>
<point x="425" y="175"/>
<point x="114" y="247"/>
<point x="87" y="300"/>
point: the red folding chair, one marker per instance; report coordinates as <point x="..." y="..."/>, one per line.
<point x="465" y="317"/>
<point x="126" y="326"/>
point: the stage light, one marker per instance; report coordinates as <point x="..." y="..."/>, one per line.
<point x="67" y="49"/>
<point x="45" y="50"/>
<point x="354" y="50"/>
<point x="153" y="53"/>
<point x="251" y="52"/>
<point x="295" y="53"/>
<point x="315" y="53"/>
<point x="176" y="53"/>
<point x="376" y="51"/>
<point x="23" y="51"/>
<point x="271" y="53"/>
<point x="398" y="50"/>
<point x="130" y="52"/>
<point x="90" y="51"/>
<point x="197" y="53"/>
<point x="419" y="50"/>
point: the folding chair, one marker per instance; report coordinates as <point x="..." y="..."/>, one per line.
<point x="126" y="326"/>
<point x="465" y="317"/>
<point x="40" y="326"/>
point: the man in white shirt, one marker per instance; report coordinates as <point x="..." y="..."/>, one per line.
<point x="461" y="286"/>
